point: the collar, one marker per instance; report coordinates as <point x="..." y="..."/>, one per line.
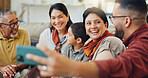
<point x="79" y="51"/>
<point x="136" y="33"/>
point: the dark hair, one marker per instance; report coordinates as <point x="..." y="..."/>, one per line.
<point x="135" y="5"/>
<point x="97" y="11"/>
<point x="79" y="31"/>
<point x="61" y="7"/>
<point x="4" y="11"/>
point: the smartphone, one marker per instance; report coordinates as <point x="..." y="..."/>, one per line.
<point x="23" y="50"/>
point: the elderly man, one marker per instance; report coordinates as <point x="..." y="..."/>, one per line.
<point x="10" y="37"/>
<point x="129" y="19"/>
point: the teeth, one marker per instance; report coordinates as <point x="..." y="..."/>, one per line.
<point x="14" y="31"/>
<point x="57" y="25"/>
<point x="94" y="32"/>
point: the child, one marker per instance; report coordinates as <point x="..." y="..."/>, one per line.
<point x="76" y="38"/>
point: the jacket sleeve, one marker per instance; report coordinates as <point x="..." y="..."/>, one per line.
<point x="133" y="63"/>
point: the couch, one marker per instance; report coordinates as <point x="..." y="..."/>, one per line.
<point x="34" y="30"/>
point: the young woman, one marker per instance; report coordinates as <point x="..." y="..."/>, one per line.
<point x="102" y="44"/>
<point x="54" y="37"/>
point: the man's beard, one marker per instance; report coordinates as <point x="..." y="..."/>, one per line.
<point x="13" y="35"/>
<point x="119" y="33"/>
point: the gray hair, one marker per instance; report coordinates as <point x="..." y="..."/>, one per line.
<point x="4" y="11"/>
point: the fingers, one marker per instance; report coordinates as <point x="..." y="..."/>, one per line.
<point x="44" y="49"/>
<point x="5" y="75"/>
<point x="12" y="68"/>
<point x="40" y="68"/>
<point x="39" y="59"/>
<point x="9" y="70"/>
<point x="44" y="73"/>
<point x="36" y="58"/>
<point x="15" y="67"/>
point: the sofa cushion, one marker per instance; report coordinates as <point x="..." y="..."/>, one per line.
<point x="34" y="29"/>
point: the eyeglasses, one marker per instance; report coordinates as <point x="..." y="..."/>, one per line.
<point x="112" y="17"/>
<point x="12" y="25"/>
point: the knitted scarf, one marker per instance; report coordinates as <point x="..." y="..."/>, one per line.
<point x="92" y="45"/>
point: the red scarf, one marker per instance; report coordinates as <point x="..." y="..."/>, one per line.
<point x="92" y="45"/>
<point x="57" y="41"/>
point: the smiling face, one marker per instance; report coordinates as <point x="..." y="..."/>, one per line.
<point x="95" y="26"/>
<point x="59" y="20"/>
<point x="7" y="30"/>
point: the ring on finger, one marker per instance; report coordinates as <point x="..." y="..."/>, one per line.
<point x="44" y="68"/>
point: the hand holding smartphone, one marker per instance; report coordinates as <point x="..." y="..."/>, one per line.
<point x="23" y="50"/>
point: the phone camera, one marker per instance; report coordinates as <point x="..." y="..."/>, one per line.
<point x="20" y="58"/>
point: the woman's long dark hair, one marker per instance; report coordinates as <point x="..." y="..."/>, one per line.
<point x="61" y="7"/>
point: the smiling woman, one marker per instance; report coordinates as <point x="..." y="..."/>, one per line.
<point x="54" y="37"/>
<point x="103" y="44"/>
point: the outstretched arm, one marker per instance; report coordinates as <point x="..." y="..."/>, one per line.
<point x="60" y="65"/>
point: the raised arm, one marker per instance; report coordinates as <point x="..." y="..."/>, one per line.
<point x="60" y="65"/>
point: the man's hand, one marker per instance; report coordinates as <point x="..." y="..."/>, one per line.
<point x="57" y="64"/>
<point x="60" y="65"/>
<point x="8" y="71"/>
